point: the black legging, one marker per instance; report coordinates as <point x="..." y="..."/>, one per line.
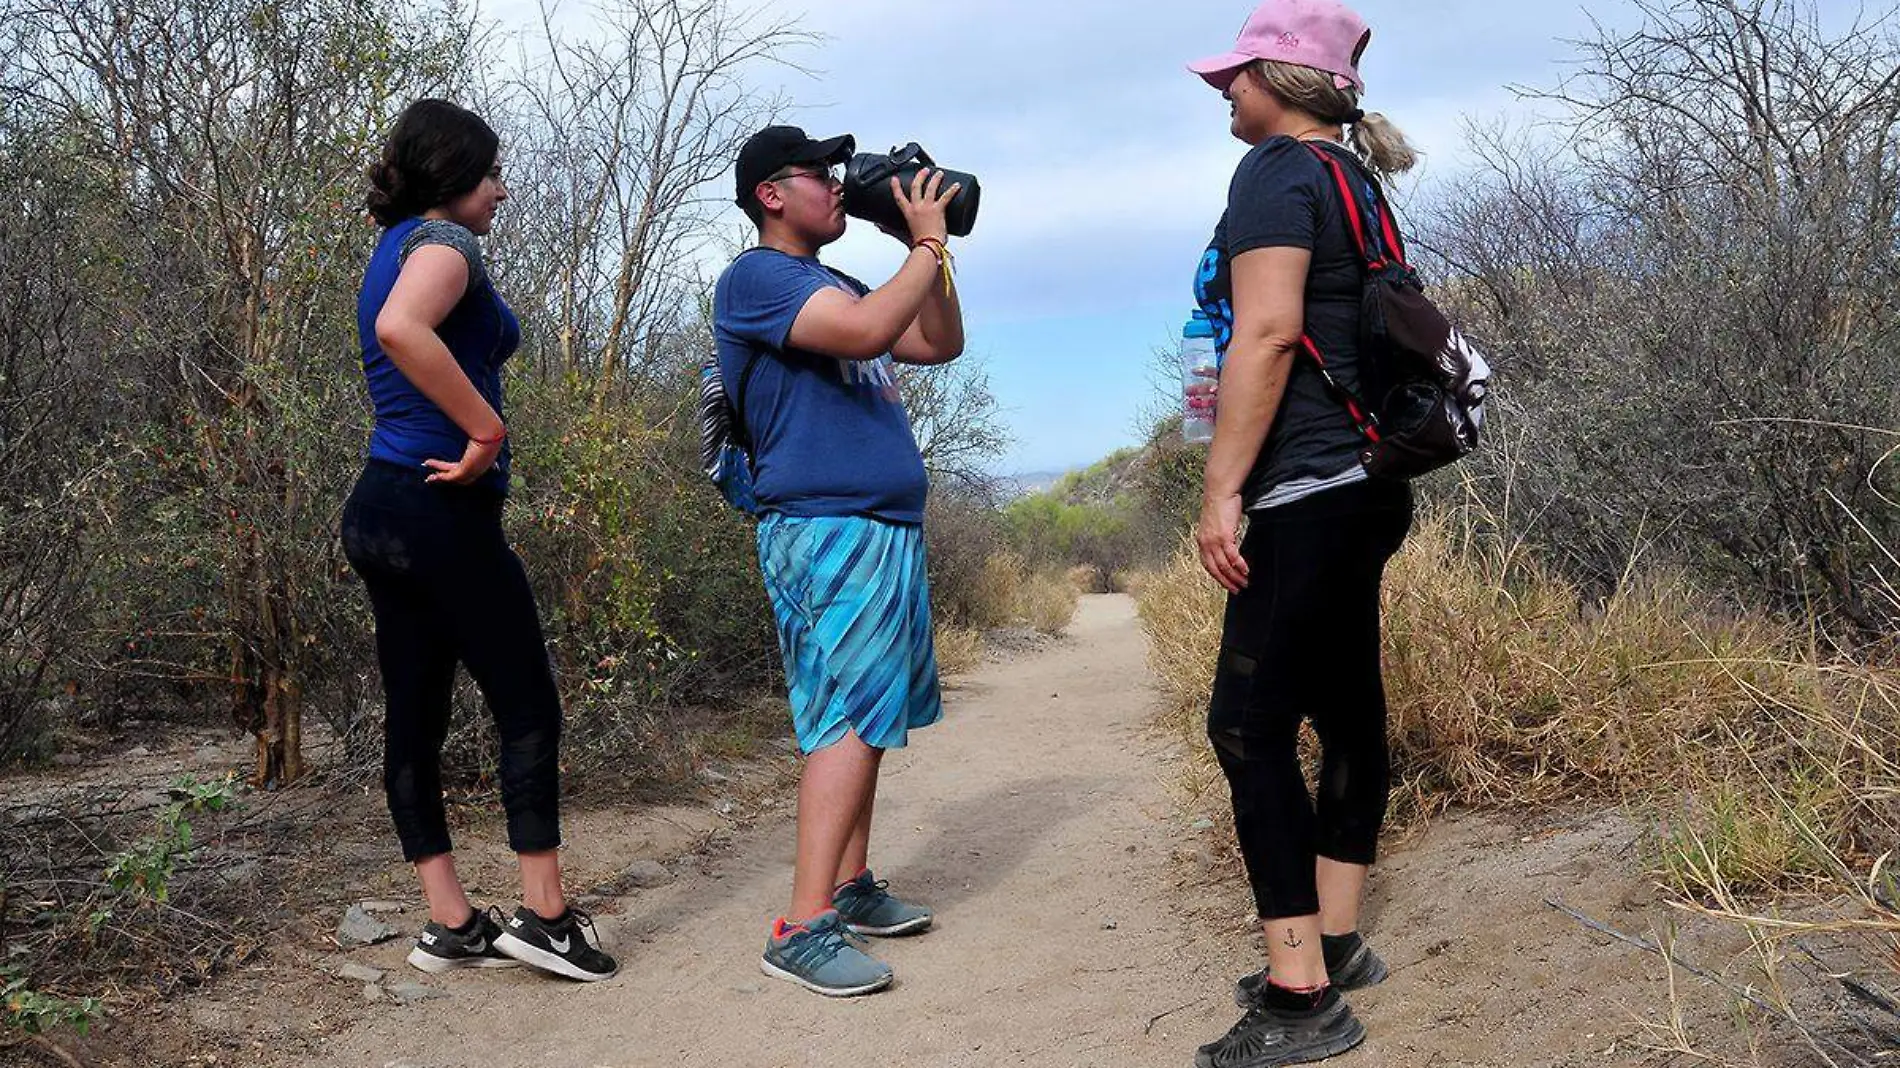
<point x="446" y="587"/>
<point x="1302" y="642"/>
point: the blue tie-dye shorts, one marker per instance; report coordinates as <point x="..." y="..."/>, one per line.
<point x="853" y="609"/>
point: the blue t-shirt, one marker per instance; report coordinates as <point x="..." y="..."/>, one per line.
<point x="480" y="332"/>
<point x="829" y="436"/>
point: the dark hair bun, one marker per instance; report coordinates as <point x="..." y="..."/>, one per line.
<point x="384" y="196"/>
<point x="436" y="152"/>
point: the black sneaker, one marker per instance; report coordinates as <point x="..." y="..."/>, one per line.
<point x="1267" y="1037"/>
<point x="440" y="948"/>
<point x="1361" y="968"/>
<point x="557" y="946"/>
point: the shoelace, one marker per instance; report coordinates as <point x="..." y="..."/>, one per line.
<point x="814" y="946"/>
<point x="873" y="894"/>
<point x="496" y="917"/>
<point x="578" y="917"/>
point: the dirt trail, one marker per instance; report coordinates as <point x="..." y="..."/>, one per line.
<point x="1037" y="820"/>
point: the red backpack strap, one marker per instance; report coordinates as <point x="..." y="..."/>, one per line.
<point x="1366" y="423"/>
<point x="1355" y="220"/>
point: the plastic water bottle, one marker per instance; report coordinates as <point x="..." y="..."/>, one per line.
<point x="1200" y="379"/>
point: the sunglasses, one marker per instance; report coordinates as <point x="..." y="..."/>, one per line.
<point x="831" y="176"/>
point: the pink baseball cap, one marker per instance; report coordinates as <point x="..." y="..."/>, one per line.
<point x="1322" y="34"/>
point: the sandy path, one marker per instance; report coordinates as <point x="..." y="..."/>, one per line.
<point x="1037" y="820"/>
<point x="1034" y="818"/>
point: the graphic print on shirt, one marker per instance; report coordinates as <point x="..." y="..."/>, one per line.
<point x="872" y="374"/>
<point x="1214" y="293"/>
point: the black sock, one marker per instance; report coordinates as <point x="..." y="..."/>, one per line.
<point x="468" y="926"/>
<point x="1337" y="949"/>
<point x="1286" y="999"/>
<point x="554" y="921"/>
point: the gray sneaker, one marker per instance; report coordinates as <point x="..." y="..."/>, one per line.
<point x="819" y="956"/>
<point x="1267" y="1037"/>
<point x="869" y="909"/>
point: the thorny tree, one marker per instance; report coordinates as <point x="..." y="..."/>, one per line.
<point x="1692" y="291"/>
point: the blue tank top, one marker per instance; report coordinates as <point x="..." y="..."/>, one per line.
<point x="480" y="331"/>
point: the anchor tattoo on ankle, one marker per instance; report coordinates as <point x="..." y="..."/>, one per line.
<point x="1292" y="942"/>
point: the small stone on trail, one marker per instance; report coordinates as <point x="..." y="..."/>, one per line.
<point x="359" y="972"/>
<point x="138" y="751"/>
<point x="645" y="874"/>
<point x="1109" y="925"/>
<point x="713" y="778"/>
<point x="373" y="993"/>
<point x="410" y="993"/>
<point x="1203" y="825"/>
<point x="359" y="928"/>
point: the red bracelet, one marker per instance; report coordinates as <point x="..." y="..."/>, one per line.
<point x="490" y="441"/>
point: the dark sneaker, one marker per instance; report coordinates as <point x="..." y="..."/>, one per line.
<point x="1360" y="968"/>
<point x="1268" y="1037"/>
<point x="560" y="946"/>
<point x="868" y="908"/>
<point x="819" y="956"/>
<point x="440" y="949"/>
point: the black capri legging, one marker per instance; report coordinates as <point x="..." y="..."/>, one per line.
<point x="1302" y="642"/>
<point x="445" y="587"/>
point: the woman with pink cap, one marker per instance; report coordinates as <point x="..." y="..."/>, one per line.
<point x="1300" y="638"/>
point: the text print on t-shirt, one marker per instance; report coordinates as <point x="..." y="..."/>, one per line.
<point x="874" y="374"/>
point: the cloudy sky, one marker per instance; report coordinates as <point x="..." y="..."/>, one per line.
<point x="1104" y="164"/>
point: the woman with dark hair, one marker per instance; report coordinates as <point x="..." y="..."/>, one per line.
<point x="423" y="529"/>
<point x="1300" y="638"/>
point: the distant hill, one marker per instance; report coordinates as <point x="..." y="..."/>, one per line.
<point x="1028" y="482"/>
<point x="1105" y="481"/>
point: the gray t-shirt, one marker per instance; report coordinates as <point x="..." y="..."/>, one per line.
<point x="1281" y="196"/>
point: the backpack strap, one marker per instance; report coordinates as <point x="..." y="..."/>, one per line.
<point x="736" y="401"/>
<point x="1362" y="417"/>
<point x="1374" y="253"/>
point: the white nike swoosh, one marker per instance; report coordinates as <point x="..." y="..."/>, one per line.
<point x="560" y="945"/>
<point x="480" y="946"/>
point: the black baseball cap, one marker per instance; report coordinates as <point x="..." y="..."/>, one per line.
<point x="775" y="147"/>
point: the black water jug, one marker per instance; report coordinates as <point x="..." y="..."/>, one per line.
<point x="867" y="189"/>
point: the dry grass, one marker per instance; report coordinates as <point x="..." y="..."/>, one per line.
<point x="1507" y="686"/>
<point x="959" y="649"/>
<point x="1087" y="578"/>
<point x="1007" y="593"/>
<point x="1763" y="763"/>
<point x="1047" y="603"/>
<point x="993" y="598"/>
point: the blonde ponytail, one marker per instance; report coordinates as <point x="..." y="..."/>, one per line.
<point x="1379" y="142"/>
<point x="1382" y="145"/>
